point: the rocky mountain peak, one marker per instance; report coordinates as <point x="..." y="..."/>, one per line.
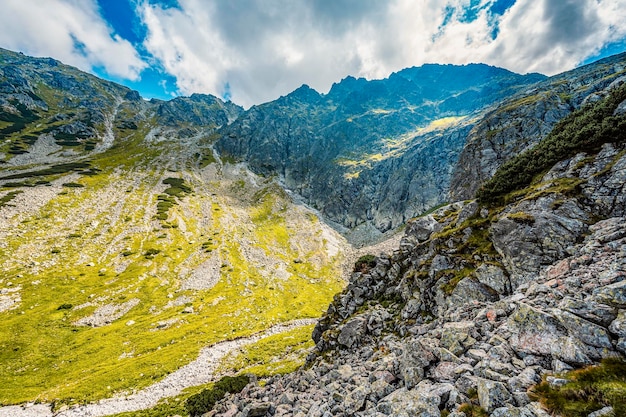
<point x="358" y="136"/>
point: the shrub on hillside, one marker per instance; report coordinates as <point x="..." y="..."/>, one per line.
<point x="365" y="263"/>
<point x="204" y="401"/>
<point x="588" y="390"/>
<point x="584" y="130"/>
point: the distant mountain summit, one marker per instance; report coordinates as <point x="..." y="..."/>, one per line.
<point x="371" y="154"/>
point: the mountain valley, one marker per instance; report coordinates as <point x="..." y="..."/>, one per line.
<point x="149" y="248"/>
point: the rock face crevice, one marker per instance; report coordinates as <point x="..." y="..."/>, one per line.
<point x="477" y="304"/>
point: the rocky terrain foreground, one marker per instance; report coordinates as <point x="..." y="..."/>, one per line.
<point x="481" y="302"/>
<point x="571" y="315"/>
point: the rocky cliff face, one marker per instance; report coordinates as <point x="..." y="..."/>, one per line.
<point x="51" y="112"/>
<point x="478" y="304"/>
<point x="370" y="154"/>
<point x="521" y="121"/>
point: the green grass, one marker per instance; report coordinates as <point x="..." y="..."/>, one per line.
<point x="166" y="408"/>
<point x="55" y="170"/>
<point x="365" y="263"/>
<point x="472" y="410"/>
<point x="177" y="189"/>
<point x="45" y="357"/>
<point x="77" y="238"/>
<point x="588" y="390"/>
<point x="277" y="354"/>
<point x="5" y="199"/>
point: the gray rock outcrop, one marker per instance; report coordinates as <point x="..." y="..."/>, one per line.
<point x="414" y="335"/>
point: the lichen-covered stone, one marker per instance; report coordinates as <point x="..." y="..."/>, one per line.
<point x="534" y="331"/>
<point x="492" y="395"/>
<point x="352" y="332"/>
<point x="494" y="277"/>
<point x="614" y="294"/>
<point x="585" y="331"/>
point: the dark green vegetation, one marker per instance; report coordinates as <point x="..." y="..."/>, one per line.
<point x="81" y="167"/>
<point x="5" y="199"/>
<point x="16" y="124"/>
<point x="177" y="189"/>
<point x="588" y="390"/>
<point x="585" y="130"/>
<point x="204" y="401"/>
<point x="151" y="253"/>
<point x="365" y="263"/>
<point x="473" y="410"/>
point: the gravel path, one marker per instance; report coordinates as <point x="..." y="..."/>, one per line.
<point x="198" y="372"/>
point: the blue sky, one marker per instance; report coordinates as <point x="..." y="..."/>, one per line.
<point x="252" y="51"/>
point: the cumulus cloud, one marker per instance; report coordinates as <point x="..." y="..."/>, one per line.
<point x="69" y="30"/>
<point x="257" y="50"/>
<point x="550" y="36"/>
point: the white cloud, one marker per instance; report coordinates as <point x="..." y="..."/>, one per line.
<point x="69" y="30"/>
<point x="264" y="49"/>
<point x="550" y="36"/>
<point x="257" y="50"/>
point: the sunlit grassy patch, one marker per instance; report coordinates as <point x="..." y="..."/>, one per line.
<point x="278" y="354"/>
<point x="119" y="252"/>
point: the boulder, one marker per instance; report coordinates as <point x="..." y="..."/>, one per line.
<point x="352" y="332"/>
<point x="470" y="289"/>
<point x="420" y="401"/>
<point x="570" y="350"/>
<point x="595" y="312"/>
<point x="536" y="234"/>
<point x="494" y="277"/>
<point x="613" y="295"/>
<point x="603" y="412"/>
<point x="415" y="357"/>
<point x="533" y="331"/>
<point x="618" y="328"/>
<point x="492" y="394"/>
<point x="456" y="338"/>
<point x="256" y="410"/>
<point x="585" y="331"/>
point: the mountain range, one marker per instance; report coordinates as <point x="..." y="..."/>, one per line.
<point x="484" y="210"/>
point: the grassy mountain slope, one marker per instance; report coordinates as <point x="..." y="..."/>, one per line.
<point x="118" y="263"/>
